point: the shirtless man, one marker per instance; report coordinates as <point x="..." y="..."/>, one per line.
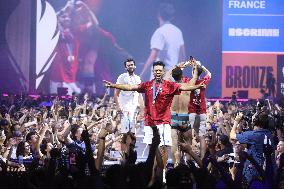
<point x="179" y="107"/>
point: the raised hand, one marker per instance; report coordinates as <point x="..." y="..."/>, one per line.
<point x="44" y="116"/>
<point x="185" y="146"/>
<point x="202" y="85"/>
<point x="85" y="134"/>
<point x="85" y="121"/>
<point x="184" y="64"/>
<point x="239" y="117"/>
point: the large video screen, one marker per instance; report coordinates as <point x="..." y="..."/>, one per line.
<point x="36" y="53"/>
<point x="253" y="39"/>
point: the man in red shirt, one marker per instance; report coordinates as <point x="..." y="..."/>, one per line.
<point x="197" y="106"/>
<point x="159" y="94"/>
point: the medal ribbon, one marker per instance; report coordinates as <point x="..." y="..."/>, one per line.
<point x="156" y="92"/>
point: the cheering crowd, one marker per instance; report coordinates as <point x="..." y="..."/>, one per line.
<point x="51" y="141"/>
<point x="56" y="142"/>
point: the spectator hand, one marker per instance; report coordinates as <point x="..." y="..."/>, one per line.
<point x="233" y="171"/>
<point x="85" y="121"/>
<point x="85" y="135"/>
<point x="66" y="124"/>
<point x="8" y="118"/>
<point x="238" y="117"/>
<point x="185" y="146"/>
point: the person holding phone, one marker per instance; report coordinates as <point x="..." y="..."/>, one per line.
<point x="197" y="105"/>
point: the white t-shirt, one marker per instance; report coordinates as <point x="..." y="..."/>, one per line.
<point x="167" y="39"/>
<point x="128" y="100"/>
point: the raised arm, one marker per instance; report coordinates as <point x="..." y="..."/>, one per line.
<point x="233" y="133"/>
<point x="101" y="147"/>
<point x="123" y="87"/>
<point x="152" y="57"/>
<point x="206" y="71"/>
<point x="182" y="54"/>
<point x="40" y="138"/>
<point x="22" y="119"/>
<point x="168" y="74"/>
<point x="181" y="65"/>
<point x="189" y="87"/>
<point x="193" y="80"/>
<point x="186" y="147"/>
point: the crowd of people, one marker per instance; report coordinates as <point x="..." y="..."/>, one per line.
<point x="64" y="141"/>
<point x="61" y="142"/>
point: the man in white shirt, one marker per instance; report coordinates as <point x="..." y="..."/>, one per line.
<point x="167" y="43"/>
<point x="128" y="101"/>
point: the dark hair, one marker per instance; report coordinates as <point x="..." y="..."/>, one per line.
<point x="199" y="71"/>
<point x="129" y="60"/>
<point x="43" y="147"/>
<point x="124" y="137"/>
<point x="20" y="149"/>
<point x="29" y="135"/>
<point x="179" y="177"/>
<point x="166" y="11"/>
<point x="158" y="63"/>
<point x="4" y="122"/>
<point x="74" y="129"/>
<point x="261" y="120"/>
<point x="224" y="139"/>
<point x="177" y="74"/>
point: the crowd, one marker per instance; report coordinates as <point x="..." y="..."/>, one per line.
<point x="64" y="141"/>
<point x="52" y="142"/>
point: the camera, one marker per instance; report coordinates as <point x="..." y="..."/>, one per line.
<point x="246" y="120"/>
<point x="231" y="158"/>
<point x="247" y="115"/>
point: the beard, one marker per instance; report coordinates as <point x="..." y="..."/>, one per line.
<point x="131" y="71"/>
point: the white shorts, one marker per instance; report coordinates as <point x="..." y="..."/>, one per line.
<point x="128" y="121"/>
<point x="165" y="134"/>
<point x="202" y="127"/>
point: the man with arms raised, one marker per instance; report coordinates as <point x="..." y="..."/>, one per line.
<point x="179" y="108"/>
<point x="197" y="106"/>
<point x="159" y="94"/>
